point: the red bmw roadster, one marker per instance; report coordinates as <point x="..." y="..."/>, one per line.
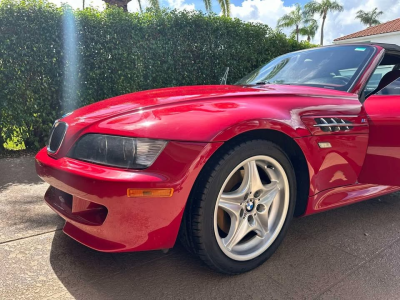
<point x="227" y="167"/>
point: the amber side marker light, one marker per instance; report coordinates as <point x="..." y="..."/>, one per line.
<point x="137" y="193"/>
<point x="325" y="145"/>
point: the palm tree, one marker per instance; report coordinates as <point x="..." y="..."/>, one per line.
<point x="369" y="18"/>
<point x="224" y="4"/>
<point x="310" y="29"/>
<point x="322" y="8"/>
<point x="124" y="4"/>
<point x="293" y="19"/>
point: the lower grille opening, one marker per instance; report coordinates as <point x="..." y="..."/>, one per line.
<point x="75" y="208"/>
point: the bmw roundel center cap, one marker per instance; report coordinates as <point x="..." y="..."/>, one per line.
<point x="249" y="206"/>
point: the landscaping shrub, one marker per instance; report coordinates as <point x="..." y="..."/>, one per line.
<point x="53" y="60"/>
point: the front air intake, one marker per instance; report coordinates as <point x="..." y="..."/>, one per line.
<point x="57" y="135"/>
<point x="333" y="124"/>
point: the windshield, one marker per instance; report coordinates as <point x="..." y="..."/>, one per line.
<point x="334" y="67"/>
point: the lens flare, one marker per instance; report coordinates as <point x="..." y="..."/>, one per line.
<point x="70" y="61"/>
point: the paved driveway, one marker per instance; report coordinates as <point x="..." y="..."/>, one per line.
<point x="348" y="253"/>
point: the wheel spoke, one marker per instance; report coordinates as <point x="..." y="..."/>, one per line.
<point x="234" y="197"/>
<point x="262" y="224"/>
<point x="230" y="205"/>
<point x="241" y="192"/>
<point x="253" y="176"/>
<point x="237" y="235"/>
<point x="270" y="194"/>
<point x="271" y="174"/>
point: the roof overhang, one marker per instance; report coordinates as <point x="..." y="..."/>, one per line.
<point x="364" y="38"/>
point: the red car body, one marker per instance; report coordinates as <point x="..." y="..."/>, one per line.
<point x="362" y="163"/>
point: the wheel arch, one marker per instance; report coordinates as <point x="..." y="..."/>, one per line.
<point x="287" y="144"/>
<point x="295" y="130"/>
<point x="284" y="141"/>
<point x="292" y="150"/>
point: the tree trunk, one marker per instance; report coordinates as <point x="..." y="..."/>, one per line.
<point x="322" y="29"/>
<point x="120" y="3"/>
<point x="1" y="143"/>
<point x="140" y="6"/>
<point x="308" y="38"/>
<point x="83" y="4"/>
<point x="297" y="32"/>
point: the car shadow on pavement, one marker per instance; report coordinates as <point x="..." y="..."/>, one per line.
<point x="318" y="252"/>
<point x="88" y="274"/>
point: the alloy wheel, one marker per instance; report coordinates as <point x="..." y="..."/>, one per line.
<point x="251" y="208"/>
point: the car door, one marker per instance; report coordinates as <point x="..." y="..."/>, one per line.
<point x="382" y="161"/>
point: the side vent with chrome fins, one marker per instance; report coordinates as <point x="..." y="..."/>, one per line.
<point x="333" y="124"/>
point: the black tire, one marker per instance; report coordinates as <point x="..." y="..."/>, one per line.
<point x="197" y="229"/>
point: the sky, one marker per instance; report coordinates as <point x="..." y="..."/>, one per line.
<point x="269" y="11"/>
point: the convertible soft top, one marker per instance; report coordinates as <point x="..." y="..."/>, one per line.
<point x="387" y="47"/>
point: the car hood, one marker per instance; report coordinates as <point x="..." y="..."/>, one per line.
<point x="205" y="113"/>
<point x="155" y="98"/>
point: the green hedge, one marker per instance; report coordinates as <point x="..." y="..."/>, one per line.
<point x="53" y="59"/>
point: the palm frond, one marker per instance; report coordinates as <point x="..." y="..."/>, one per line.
<point x="369" y="18"/>
<point x="207" y="4"/>
<point x="286" y="21"/>
<point x="312" y="7"/>
<point x="360" y="14"/>
<point x="310" y="29"/>
<point x="155" y="4"/>
<point x="225" y="7"/>
<point x="334" y="6"/>
<point x="322" y="8"/>
<point x="293" y="18"/>
<point x="375" y="22"/>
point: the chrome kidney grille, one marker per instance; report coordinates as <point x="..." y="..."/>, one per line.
<point x="57" y="135"/>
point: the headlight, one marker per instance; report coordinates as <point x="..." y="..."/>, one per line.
<point x="117" y="151"/>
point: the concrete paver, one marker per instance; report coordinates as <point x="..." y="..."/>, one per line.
<point x="348" y="253"/>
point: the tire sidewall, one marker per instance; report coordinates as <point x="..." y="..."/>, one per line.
<point x="230" y="162"/>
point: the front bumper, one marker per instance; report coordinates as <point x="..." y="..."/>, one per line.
<point x="93" y="199"/>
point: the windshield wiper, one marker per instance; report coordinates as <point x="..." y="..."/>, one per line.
<point x="268" y="82"/>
